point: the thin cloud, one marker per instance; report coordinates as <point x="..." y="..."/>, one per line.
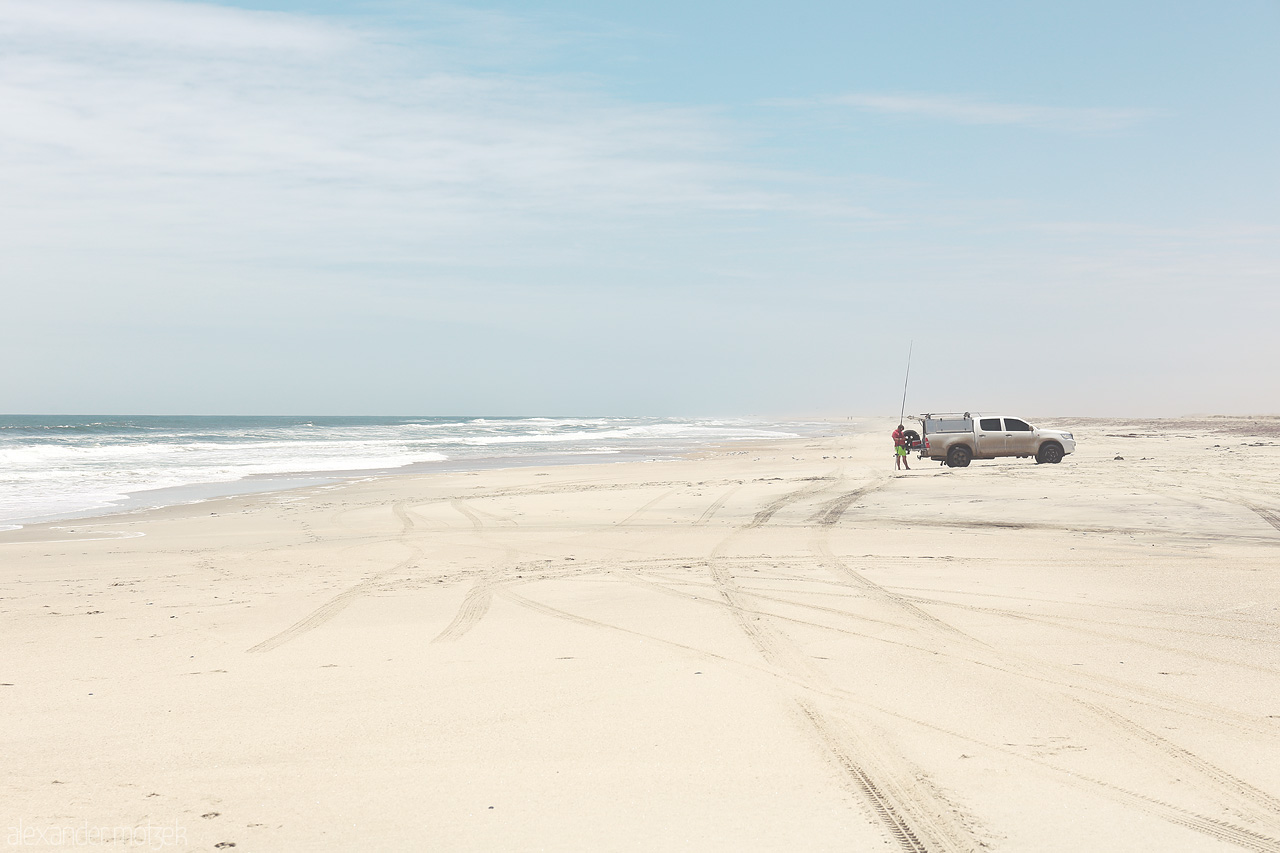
<point x="965" y="110"/>
<point x="182" y="127"/>
<point x="159" y="25"/>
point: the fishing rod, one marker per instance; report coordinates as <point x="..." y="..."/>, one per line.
<point x="910" y="347"/>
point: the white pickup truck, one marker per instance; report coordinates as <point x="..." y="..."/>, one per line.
<point x="957" y="439"/>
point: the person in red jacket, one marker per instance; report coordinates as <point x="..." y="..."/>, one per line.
<point x="900" y="450"/>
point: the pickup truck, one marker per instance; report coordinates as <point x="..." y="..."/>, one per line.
<point x="958" y="439"/>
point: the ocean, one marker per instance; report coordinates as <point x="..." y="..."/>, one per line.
<point x="59" y="466"/>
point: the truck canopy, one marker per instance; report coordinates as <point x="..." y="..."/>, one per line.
<point x="947" y="422"/>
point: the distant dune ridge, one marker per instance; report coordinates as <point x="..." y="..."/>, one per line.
<point x="771" y="644"/>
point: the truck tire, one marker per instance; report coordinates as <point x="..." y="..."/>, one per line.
<point x="959" y="457"/>
<point x="1050" y="451"/>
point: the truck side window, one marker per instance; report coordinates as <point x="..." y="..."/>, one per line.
<point x="1015" y="425"/>
<point x="992" y="424"/>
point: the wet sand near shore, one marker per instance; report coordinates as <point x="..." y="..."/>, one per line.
<point x="775" y="646"/>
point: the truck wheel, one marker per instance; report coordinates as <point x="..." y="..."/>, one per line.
<point x="958" y="457"/>
<point x="1050" y="453"/>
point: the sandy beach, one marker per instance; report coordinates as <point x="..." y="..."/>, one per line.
<point x="771" y="646"/>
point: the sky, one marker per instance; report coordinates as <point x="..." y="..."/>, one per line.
<point x="552" y="207"/>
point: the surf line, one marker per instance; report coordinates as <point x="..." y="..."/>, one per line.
<point x="123" y="534"/>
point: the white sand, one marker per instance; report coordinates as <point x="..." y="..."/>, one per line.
<point x="774" y="647"/>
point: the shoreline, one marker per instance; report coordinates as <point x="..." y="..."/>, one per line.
<point x="198" y="492"/>
<point x="135" y="503"/>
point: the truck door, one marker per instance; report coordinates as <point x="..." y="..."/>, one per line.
<point x="988" y="438"/>
<point x="1019" y="438"/>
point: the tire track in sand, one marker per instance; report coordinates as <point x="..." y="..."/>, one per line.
<point x="917" y="817"/>
<point x="1258" y="807"/>
<point x="817" y="487"/>
<point x="1076" y="625"/>
<point x="715" y="507"/>
<point x="467" y="513"/>
<point x="475" y="606"/>
<point x="896" y="794"/>
<point x="830" y="512"/>
<point x="875" y="592"/>
<point x="1229" y="792"/>
<point x="648" y="506"/>
<point x="1267" y="515"/>
<point x="473" y="609"/>
<point x="339" y="602"/>
<point x="1222" y="830"/>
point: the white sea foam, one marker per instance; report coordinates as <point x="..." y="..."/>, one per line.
<point x="121" y="534"/>
<point x="52" y="467"/>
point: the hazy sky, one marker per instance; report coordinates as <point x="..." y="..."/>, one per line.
<point x="645" y="208"/>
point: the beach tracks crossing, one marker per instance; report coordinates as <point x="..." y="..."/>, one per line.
<point x="806" y="617"/>
<point x="342" y="600"/>
<point x="474" y="607"/>
<point x="915" y="815"/>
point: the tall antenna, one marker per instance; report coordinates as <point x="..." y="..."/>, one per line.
<point x="910" y="347"/>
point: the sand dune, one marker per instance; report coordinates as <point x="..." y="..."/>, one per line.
<point x="773" y="646"/>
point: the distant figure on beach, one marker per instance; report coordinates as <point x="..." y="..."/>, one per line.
<point x="900" y="449"/>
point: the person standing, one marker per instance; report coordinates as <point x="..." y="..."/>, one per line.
<point x="900" y="449"/>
